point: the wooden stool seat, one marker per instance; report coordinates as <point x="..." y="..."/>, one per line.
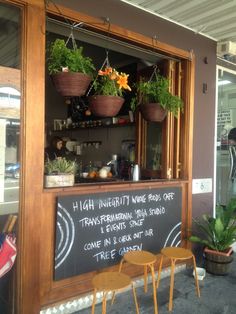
<point x="141" y="258"/>
<point x="177" y="253"/>
<point x="111" y="281"/>
<point x="174" y="254"/>
<point x="146" y="259"/>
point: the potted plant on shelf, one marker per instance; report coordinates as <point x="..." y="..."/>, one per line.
<point x="70" y="70"/>
<point x="108" y="87"/>
<point x="154" y="99"/>
<point x="59" y="172"/>
<point x="217" y="235"/>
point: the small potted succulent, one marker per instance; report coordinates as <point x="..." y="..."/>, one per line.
<point x="70" y="70"/>
<point x="108" y="91"/>
<point x="154" y="99"/>
<point x="217" y="234"/>
<point x="59" y="172"/>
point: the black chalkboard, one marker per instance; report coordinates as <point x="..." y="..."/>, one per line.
<point x="94" y="231"/>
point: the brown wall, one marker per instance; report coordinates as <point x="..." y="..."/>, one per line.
<point x="204" y="110"/>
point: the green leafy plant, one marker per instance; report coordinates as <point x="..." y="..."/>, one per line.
<point x="59" y="166"/>
<point x="156" y="90"/>
<point x="61" y="58"/>
<point x="218" y="233"/>
<point x="111" y="83"/>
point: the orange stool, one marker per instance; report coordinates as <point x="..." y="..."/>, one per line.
<point x="174" y="254"/>
<point x="111" y="281"/>
<point x="146" y="259"/>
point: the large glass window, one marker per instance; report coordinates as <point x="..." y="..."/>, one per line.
<point x="226" y="137"/>
<point x="94" y="142"/>
<point x="10" y="91"/>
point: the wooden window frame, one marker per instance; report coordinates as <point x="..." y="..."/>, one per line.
<point x="35" y="285"/>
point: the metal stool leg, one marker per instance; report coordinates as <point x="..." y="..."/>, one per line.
<point x="196" y="280"/>
<point x="104" y="302"/>
<point x="159" y="271"/>
<point x="121" y="264"/>
<point x="114" y="293"/>
<point x="113" y="297"/>
<point x="135" y="299"/>
<point x="154" y="289"/>
<point x="145" y="278"/>
<point x="172" y="284"/>
<point x="94" y="300"/>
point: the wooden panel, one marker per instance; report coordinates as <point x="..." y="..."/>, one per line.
<point x="52" y="291"/>
<point x="177" y="125"/>
<point x="32" y="145"/>
<point x="187" y="119"/>
<point x="117" y="31"/>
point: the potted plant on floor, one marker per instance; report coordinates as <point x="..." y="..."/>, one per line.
<point x="70" y="70"/>
<point x="108" y="91"/>
<point x="154" y="99"/>
<point x="59" y="172"/>
<point x="217" y="235"/>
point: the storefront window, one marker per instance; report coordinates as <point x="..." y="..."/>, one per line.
<point x="10" y="91"/>
<point x="97" y="141"/>
<point x="226" y="137"/>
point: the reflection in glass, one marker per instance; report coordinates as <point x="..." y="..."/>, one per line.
<point x="9" y="108"/>
<point x="226" y="121"/>
<point x="154" y="148"/>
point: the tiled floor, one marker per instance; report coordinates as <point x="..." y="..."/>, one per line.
<point x="218" y="296"/>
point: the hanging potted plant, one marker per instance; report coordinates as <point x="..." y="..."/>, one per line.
<point x="154" y="99"/>
<point x="70" y="70"/>
<point x="217" y="234"/>
<point x="59" y="172"/>
<point x="108" y="87"/>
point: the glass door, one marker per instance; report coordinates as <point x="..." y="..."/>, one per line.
<point x="226" y="137"/>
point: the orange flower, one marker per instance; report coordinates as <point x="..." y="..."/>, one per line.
<point x="111" y="83"/>
<point x="100" y="72"/>
<point x="114" y="75"/>
<point x="106" y="72"/>
<point x="123" y="81"/>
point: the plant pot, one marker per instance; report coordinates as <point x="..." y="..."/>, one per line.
<point x="218" y="263"/>
<point x="52" y="181"/>
<point x="71" y="83"/>
<point x="105" y="106"/>
<point x="153" y="112"/>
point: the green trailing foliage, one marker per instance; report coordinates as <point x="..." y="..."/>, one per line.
<point x="218" y="233"/>
<point x="60" y="56"/>
<point x="107" y="87"/>
<point x="157" y="91"/>
<point x="60" y="166"/>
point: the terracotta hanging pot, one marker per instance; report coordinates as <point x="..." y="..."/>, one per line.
<point x="153" y="112"/>
<point x="105" y="106"/>
<point x="71" y="83"/>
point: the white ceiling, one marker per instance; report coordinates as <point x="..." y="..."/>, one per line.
<point x="215" y="19"/>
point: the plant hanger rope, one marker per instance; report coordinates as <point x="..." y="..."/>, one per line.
<point x="72" y="37"/>
<point x="105" y="65"/>
<point x="155" y="72"/>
